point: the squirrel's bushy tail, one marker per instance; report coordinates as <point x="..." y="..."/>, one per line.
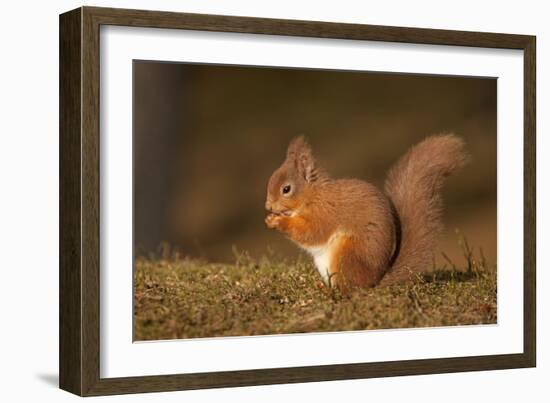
<point x="413" y="185"/>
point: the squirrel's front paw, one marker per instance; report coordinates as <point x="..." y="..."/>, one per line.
<point x="272" y="220"/>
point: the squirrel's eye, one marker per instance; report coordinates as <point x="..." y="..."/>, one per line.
<point x="286" y="189"/>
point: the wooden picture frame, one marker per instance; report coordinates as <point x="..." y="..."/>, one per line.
<point x="79" y="347"/>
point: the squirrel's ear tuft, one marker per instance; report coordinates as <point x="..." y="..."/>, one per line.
<point x="295" y="146"/>
<point x="300" y="152"/>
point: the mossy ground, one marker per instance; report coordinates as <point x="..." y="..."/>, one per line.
<point x="181" y="298"/>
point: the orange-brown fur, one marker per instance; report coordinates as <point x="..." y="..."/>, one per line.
<point x="368" y="237"/>
<point x="351" y="269"/>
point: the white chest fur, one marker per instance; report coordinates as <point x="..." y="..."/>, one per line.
<point x="322" y="255"/>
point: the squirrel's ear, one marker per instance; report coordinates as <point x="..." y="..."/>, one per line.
<point x="300" y="152"/>
<point x="295" y="146"/>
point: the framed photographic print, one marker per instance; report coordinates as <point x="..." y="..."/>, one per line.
<point x="249" y="201"/>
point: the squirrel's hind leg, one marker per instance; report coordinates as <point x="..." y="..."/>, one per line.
<point x="350" y="267"/>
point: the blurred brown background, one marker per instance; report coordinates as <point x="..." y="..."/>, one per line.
<point x="207" y="138"/>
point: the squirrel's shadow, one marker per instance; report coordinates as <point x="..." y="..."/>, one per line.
<point x="437" y="276"/>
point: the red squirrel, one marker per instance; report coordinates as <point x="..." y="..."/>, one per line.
<point x="358" y="235"/>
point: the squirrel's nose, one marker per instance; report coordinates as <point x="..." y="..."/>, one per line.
<point x="268" y="205"/>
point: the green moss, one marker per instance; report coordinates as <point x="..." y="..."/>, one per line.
<point x="179" y="298"/>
